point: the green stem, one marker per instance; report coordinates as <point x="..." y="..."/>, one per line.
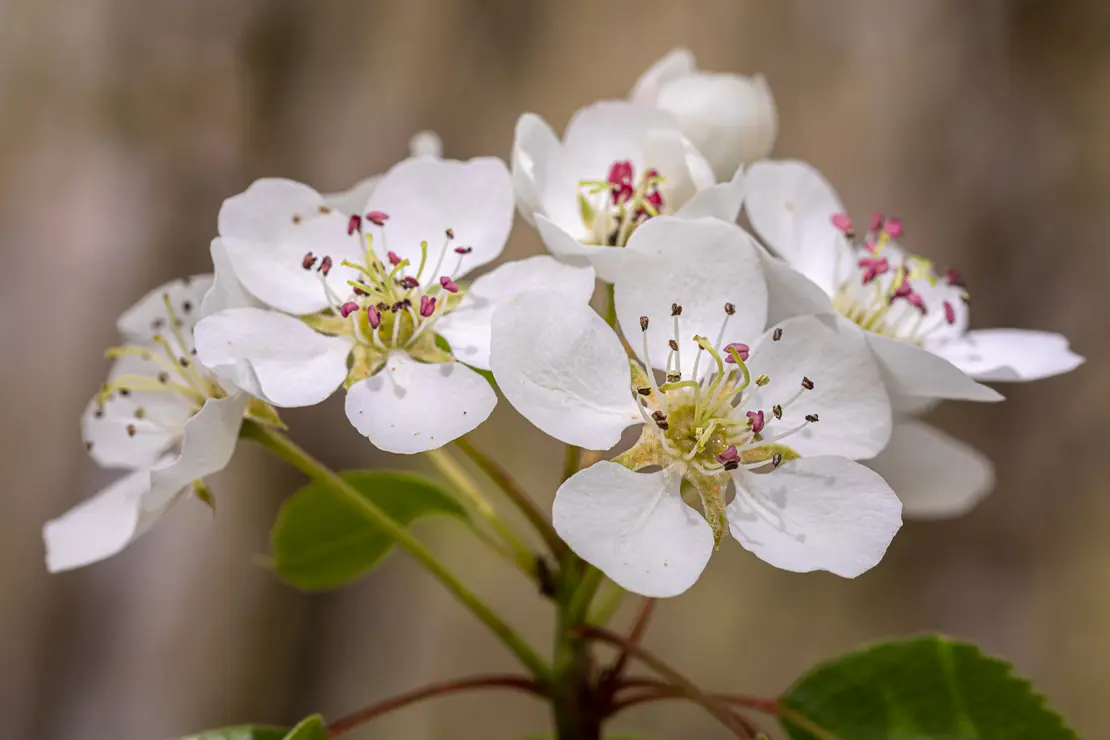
<point x="515" y="493"/>
<point x="571" y="457"/>
<point x="584" y="594"/>
<point x="607" y="604"/>
<point x="518" y="552"/>
<point x="288" y="450"/>
<point x="577" y="715"/>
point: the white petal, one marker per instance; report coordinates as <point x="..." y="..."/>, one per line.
<point x="635" y="527"/>
<point x="605" y="260"/>
<point x="149" y="316"/>
<point x="412" y="407"/>
<point x="352" y="200"/>
<point x="272" y="356"/>
<point x="101" y="526"/>
<point x="535" y="146"/>
<point x="265" y="211"/>
<point x="226" y="290"/>
<point x="425" y="197"/>
<point x="722" y="200"/>
<point x="731" y="119"/>
<point x="790" y="293"/>
<point x="934" y="475"/>
<point x="610" y="131"/>
<point x="467" y="328"/>
<point x="561" y="366"/>
<point x="1010" y="354"/>
<point x="853" y="409"/>
<point x="676" y="64"/>
<point x="701" y="265"/>
<point x="818" y="513"/>
<point x="790" y="205"/>
<point x="909" y="370"/>
<point x="206" y="448"/>
<point x="273" y="269"/>
<point x="683" y="168"/>
<point x="426" y="144"/>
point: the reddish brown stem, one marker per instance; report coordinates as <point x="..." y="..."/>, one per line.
<point x="521" y="683"/>
<point x="662" y="690"/>
<point x="665" y="691"/>
<point x="730" y="719"/>
<point x="639" y="625"/>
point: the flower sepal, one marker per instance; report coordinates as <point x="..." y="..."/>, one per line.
<point x="263" y="413"/>
<point x="710" y="490"/>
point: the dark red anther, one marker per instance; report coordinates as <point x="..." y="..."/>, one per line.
<point x="893" y="227"/>
<point x="756" y="418"/>
<point x="354" y="224"/>
<point x="448" y="284"/>
<point x="378" y="218"/>
<point x="729" y="455"/>
<point x="655" y="199"/>
<point x="348" y="308"/>
<point x="427" y="306"/>
<point x="409" y="282"/>
<point x="325" y="266"/>
<point x="651" y="173"/>
<point x="393" y="257"/>
<point x="874" y="267"/>
<point x="953" y="277"/>
<point x="360" y="291"/>
<point x="949" y="313"/>
<point x="373" y="316"/>
<point x="906" y="292"/>
<point x="620" y="181"/>
<point x="463" y="250"/>
<point x="308" y="261"/>
<point x="842" y="223"/>
<point x="741" y="349"/>
<point x="877" y="221"/>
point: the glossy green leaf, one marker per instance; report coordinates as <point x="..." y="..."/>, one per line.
<point x="320" y="541"/>
<point x="242" y="732"/>
<point x="921" y="688"/>
<point x="311" y="728"/>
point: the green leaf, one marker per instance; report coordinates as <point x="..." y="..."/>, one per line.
<point x="311" y="728"/>
<point x="921" y="688"/>
<point x="242" y="732"/>
<point x="320" y="541"/>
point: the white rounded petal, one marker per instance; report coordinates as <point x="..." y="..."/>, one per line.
<point x="266" y="210"/>
<point x="226" y="290"/>
<point x="101" y="526"/>
<point x="722" y="200"/>
<point x="207" y="444"/>
<point x="701" y="265"/>
<point x="467" y="328"/>
<point x="634" y="527"/>
<point x="676" y="64"/>
<point x="909" y="370"/>
<point x="273" y="270"/>
<point x="426" y="144"/>
<point x="272" y="356"/>
<point x="848" y="396"/>
<point x="934" y="474"/>
<point x="1009" y="354"/>
<point x="535" y="147"/>
<point x="352" y="200"/>
<point x="149" y="316"/>
<point x="790" y="293"/>
<point x="683" y="168"/>
<point x="412" y="407"/>
<point x="425" y="197"/>
<point x="731" y="119"/>
<point x="561" y="366"/>
<point x="818" y="513"/>
<point x="611" y="130"/>
<point x="791" y="205"/>
<point x="605" y="260"/>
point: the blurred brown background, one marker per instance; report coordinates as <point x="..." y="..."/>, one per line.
<point x="125" y="123"/>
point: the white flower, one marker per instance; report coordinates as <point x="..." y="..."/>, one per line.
<point x="731" y="119"/>
<point x="915" y="321"/>
<point x="778" y="420"/>
<point x="618" y="165"/>
<point x="383" y="314"/>
<point x="160" y="416"/>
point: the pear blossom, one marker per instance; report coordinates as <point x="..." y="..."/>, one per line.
<point x="161" y="417"/>
<point x="775" y="415"/>
<point x="730" y="118"/>
<point x="373" y="300"/>
<point x="914" y="317"/>
<point x="618" y="165"/>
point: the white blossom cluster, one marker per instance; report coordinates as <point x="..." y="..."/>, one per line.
<point x="775" y="379"/>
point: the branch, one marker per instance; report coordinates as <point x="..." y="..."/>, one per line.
<point x="663" y="690"/>
<point x="736" y="724"/>
<point x="639" y="625"/>
<point x="374" y="711"/>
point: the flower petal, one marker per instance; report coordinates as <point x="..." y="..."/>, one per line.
<point x="272" y="356"/>
<point x="609" y="131"/>
<point x="731" y="119"/>
<point x="1010" y="354"/>
<point x="605" y="260"/>
<point x="351" y="201"/>
<point x="561" y="366"/>
<point x="425" y="197"/>
<point x="635" y="527"/>
<point x="701" y="265"/>
<point x="934" y="474"/>
<point x="467" y="328"/>
<point x="790" y="293"/>
<point x="207" y="444"/>
<point x="818" y="513"/>
<point x="426" y="144"/>
<point x="722" y="200"/>
<point x="911" y="371"/>
<point x="149" y="315"/>
<point x="412" y="407"/>
<point x="535" y="146"/>
<point x="790" y="205"/>
<point x="265" y="211"/>
<point x="101" y="526"/>
<point x="676" y="64"/>
<point x="683" y="168"/>
<point x="848" y="396"/>
<point x="226" y="290"/>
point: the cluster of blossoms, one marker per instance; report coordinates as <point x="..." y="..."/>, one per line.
<point x="776" y="383"/>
